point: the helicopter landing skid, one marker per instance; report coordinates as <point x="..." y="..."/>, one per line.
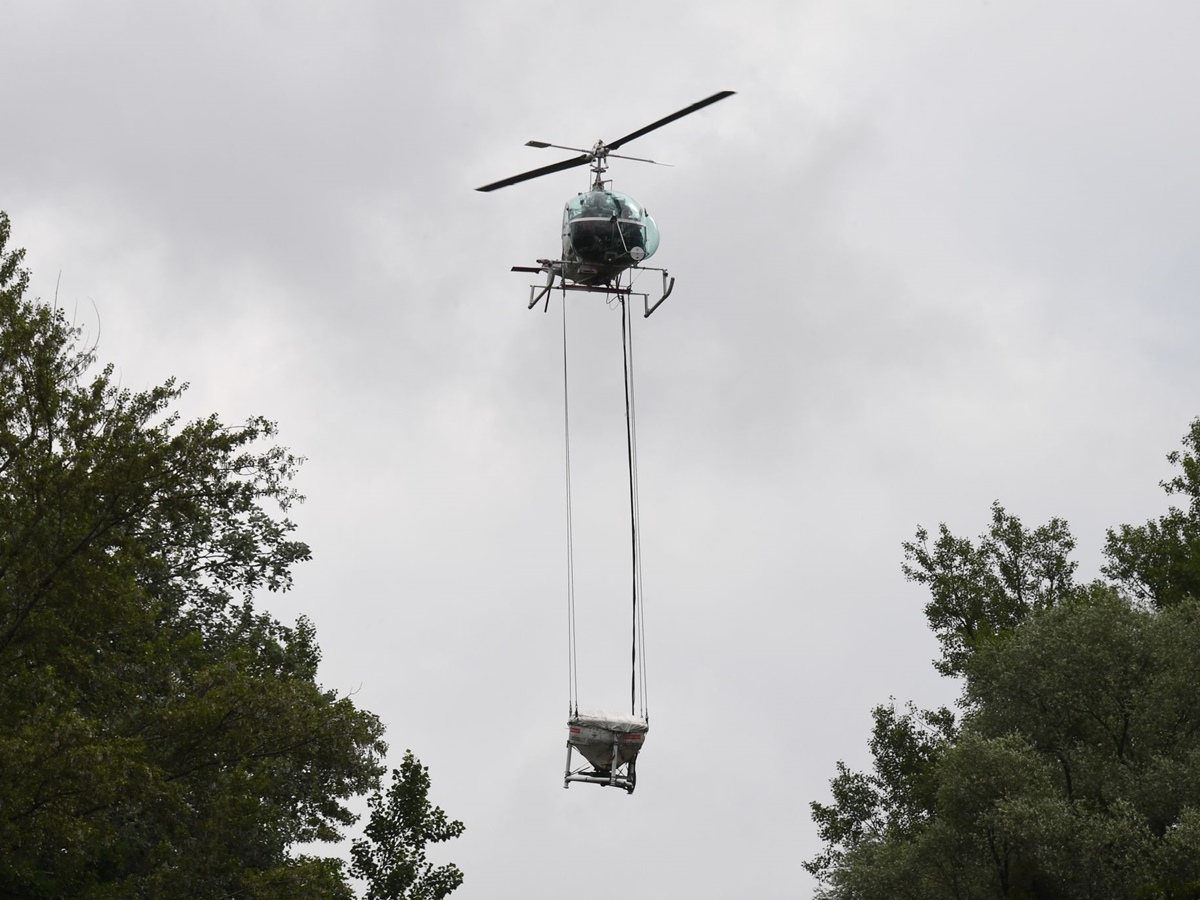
<point x="553" y="269"/>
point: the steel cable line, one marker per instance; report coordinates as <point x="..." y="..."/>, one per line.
<point x="637" y="675"/>
<point x="572" y="655"/>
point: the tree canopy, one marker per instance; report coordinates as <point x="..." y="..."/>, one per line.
<point x="390" y="858"/>
<point x="1073" y="767"/>
<point x="159" y="735"/>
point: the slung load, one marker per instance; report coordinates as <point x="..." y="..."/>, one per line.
<point x="606" y="237"/>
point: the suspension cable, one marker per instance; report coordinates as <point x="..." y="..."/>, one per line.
<point x="636" y="506"/>
<point x="637" y="674"/>
<point x="572" y="664"/>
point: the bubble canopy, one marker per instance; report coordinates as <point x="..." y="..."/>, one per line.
<point x="606" y="226"/>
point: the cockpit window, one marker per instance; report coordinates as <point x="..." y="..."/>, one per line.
<point x="603" y="204"/>
<point x="630" y="209"/>
<point x="604" y="227"/>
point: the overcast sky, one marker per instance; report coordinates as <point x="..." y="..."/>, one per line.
<point x="932" y="255"/>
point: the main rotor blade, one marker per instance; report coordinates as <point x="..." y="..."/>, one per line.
<point x="542" y="145"/>
<point x="639" y="159"/>
<point x="582" y="160"/>
<point x="708" y="101"/>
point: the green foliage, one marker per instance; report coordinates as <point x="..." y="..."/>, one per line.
<point x="980" y="592"/>
<point x="159" y="737"/>
<point x="900" y="793"/>
<point x="392" y="857"/>
<point x="1159" y="562"/>
<point x="1076" y="770"/>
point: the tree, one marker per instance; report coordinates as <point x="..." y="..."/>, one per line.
<point x="980" y="592"/>
<point x="1159" y="562"/>
<point x="391" y="859"/>
<point x="159" y="735"/>
<point x="1075" y="771"/>
<point x="897" y="797"/>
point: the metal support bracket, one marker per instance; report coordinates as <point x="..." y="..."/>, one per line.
<point x="668" y="286"/>
<point x="539" y="292"/>
<point x="626" y="780"/>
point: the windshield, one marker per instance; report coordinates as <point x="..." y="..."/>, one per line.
<point x="603" y="205"/>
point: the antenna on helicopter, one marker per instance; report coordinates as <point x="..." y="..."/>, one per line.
<point x="601" y="151"/>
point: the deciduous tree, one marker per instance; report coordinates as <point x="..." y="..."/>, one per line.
<point x="1075" y="772"/>
<point x="391" y="857"/>
<point x="160" y="736"/>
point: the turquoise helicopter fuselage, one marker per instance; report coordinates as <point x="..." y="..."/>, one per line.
<point x="603" y="234"/>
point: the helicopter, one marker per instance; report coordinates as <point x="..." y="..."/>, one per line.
<point x="604" y="233"/>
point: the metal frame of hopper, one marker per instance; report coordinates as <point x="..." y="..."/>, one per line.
<point x="622" y="774"/>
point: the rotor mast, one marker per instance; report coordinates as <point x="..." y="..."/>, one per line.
<point x="599" y="165"/>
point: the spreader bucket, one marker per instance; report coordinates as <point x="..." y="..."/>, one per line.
<point x="610" y="742"/>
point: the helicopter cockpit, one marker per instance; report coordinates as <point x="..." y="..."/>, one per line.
<point x="605" y="227"/>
